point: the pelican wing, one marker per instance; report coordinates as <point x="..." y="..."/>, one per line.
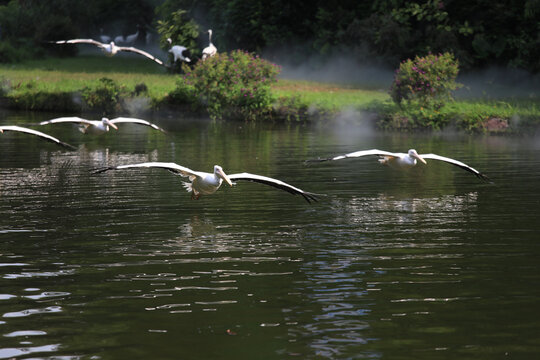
<point x="71" y="119"/>
<point x="140" y="52"/>
<point x="358" y="154"/>
<point x="80" y="41"/>
<point x="36" y="133"/>
<point x="172" y="167"/>
<point x="275" y="183"/>
<point x="456" y="163"/>
<point x="136" y="121"/>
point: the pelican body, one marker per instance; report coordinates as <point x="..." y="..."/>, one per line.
<point x="179" y="52"/>
<point x="36" y="133"/>
<point x="203" y="183"/>
<point x="405" y="160"/>
<point x="99" y="126"/>
<point x="111" y="48"/>
<point x="210" y="50"/>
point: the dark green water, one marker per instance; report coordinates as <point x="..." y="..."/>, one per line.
<point x="426" y="264"/>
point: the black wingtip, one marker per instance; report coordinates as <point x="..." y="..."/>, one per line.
<point x="311" y="197"/>
<point x="100" y="170"/>
<point x="485" y="178"/>
<point x="68" y="146"/>
<point x="317" y="160"/>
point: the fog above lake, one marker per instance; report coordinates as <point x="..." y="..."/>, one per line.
<point x="492" y="82"/>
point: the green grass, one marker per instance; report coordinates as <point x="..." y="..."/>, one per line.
<point x="67" y="75"/>
<point x="73" y="74"/>
<point x="329" y="96"/>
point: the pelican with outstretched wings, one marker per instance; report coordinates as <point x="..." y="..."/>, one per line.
<point x="111" y="48"/>
<point x="203" y="183"/>
<point x="404" y="160"/>
<point x="100" y="126"/>
<point x="36" y="133"/>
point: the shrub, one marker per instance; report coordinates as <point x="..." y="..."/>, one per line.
<point x="10" y="53"/>
<point x="43" y="101"/>
<point x="233" y="85"/>
<point x="103" y="96"/>
<point x="427" y="80"/>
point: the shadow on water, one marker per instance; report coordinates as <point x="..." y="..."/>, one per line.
<point x="431" y="263"/>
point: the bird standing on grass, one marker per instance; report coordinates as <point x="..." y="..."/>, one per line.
<point x="210" y="50"/>
<point x="179" y="52"/>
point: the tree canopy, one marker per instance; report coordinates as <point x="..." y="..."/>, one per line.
<point x="479" y="33"/>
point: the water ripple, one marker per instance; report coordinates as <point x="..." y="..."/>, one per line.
<point x="7" y="353"/>
<point x="28" y="312"/>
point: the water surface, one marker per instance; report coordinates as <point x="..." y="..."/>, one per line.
<point x="428" y="264"/>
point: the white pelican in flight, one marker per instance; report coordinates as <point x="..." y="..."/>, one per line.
<point x="203" y="183"/>
<point x="99" y="126"/>
<point x="36" y="133"/>
<point x="179" y="52"/>
<point x="110" y="49"/>
<point x="210" y="50"/>
<point x="404" y="160"/>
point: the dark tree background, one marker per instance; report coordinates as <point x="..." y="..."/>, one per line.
<point x="480" y="33"/>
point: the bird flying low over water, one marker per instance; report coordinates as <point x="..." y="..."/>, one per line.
<point x="203" y="183"/>
<point x="36" y="133"/>
<point x="110" y="49"/>
<point x="99" y="126"/>
<point x="404" y="160"/>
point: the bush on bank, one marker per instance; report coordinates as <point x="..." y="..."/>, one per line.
<point x="235" y="85"/>
<point x="420" y="90"/>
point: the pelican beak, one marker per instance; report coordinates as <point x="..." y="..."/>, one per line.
<point x="112" y="125"/>
<point x="224" y="176"/>
<point x="1" y="131"/>
<point x="420" y="158"/>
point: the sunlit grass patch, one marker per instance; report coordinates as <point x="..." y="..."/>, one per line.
<point x="329" y="96"/>
<point x="73" y="74"/>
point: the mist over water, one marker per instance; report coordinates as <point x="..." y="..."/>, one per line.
<point x="341" y="68"/>
<point x="499" y="83"/>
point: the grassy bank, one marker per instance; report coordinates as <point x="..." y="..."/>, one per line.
<point x="56" y="84"/>
<point x="69" y="75"/>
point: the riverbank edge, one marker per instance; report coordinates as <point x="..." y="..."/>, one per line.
<point x="284" y="110"/>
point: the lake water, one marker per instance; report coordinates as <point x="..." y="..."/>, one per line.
<point x="430" y="263"/>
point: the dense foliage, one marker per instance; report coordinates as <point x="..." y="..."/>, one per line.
<point x="231" y="85"/>
<point x="103" y="95"/>
<point x="427" y="80"/>
<point x="421" y="87"/>
<point x="479" y="33"/>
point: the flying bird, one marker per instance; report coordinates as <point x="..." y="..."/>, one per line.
<point x="99" y="126"/>
<point x="210" y="50"/>
<point x="110" y="49"/>
<point x="203" y="183"/>
<point x="179" y="52"/>
<point x="404" y="160"/>
<point x="36" y="133"/>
